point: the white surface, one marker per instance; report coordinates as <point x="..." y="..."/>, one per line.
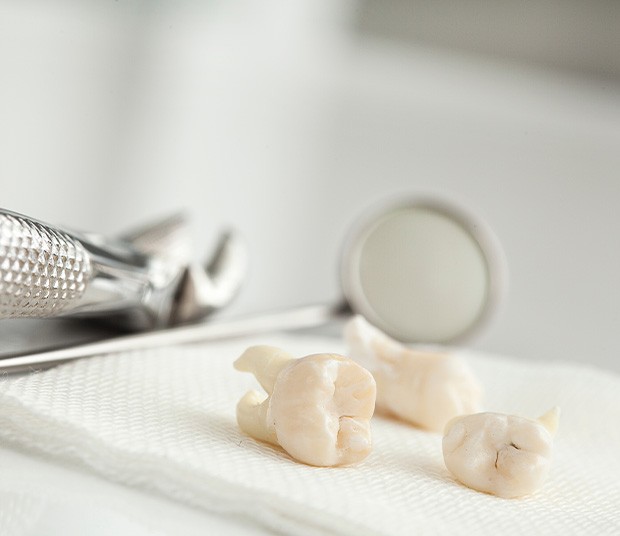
<point x="278" y="118"/>
<point x="164" y="421"/>
<point x="43" y="497"/>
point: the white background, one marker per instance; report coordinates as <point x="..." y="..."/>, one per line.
<point x="287" y="119"/>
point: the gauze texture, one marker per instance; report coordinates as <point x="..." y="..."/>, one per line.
<point x="164" y="420"/>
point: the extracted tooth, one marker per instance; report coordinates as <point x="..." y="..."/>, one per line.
<point x="423" y="388"/>
<point x="504" y="455"/>
<point x="317" y="408"/>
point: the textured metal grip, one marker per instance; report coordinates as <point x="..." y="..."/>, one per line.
<point x="43" y="271"/>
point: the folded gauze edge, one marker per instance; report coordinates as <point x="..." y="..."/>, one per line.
<point x="164" y="420"/>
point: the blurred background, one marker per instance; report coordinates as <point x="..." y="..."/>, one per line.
<point x="286" y="119"/>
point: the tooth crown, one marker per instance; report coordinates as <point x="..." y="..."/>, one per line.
<point x="504" y="455"/>
<point x="318" y="409"/>
<point x="425" y="389"/>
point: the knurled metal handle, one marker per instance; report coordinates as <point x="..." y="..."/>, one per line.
<point x="43" y="271"/>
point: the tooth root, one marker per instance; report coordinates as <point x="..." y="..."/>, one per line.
<point x="252" y="412"/>
<point x="265" y="362"/>
<point x="550" y="420"/>
<point x="369" y="346"/>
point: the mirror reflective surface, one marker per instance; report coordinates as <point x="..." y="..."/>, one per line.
<point x="423" y="271"/>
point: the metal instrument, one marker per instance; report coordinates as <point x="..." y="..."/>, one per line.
<point x="143" y="280"/>
<point x="420" y="269"/>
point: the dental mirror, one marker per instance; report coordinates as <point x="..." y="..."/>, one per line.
<point x="422" y="270"/>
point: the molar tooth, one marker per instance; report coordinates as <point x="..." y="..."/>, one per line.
<point x="423" y="388"/>
<point x="504" y="455"/>
<point x="318" y="408"/>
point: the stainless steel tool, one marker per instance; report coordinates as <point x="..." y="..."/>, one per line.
<point x="140" y="281"/>
<point x="421" y="269"/>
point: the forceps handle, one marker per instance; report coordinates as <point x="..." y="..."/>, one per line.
<point x="301" y="317"/>
<point x="46" y="271"/>
<point x="43" y="270"/>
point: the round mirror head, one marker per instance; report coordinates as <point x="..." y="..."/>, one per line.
<point x="422" y="271"/>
